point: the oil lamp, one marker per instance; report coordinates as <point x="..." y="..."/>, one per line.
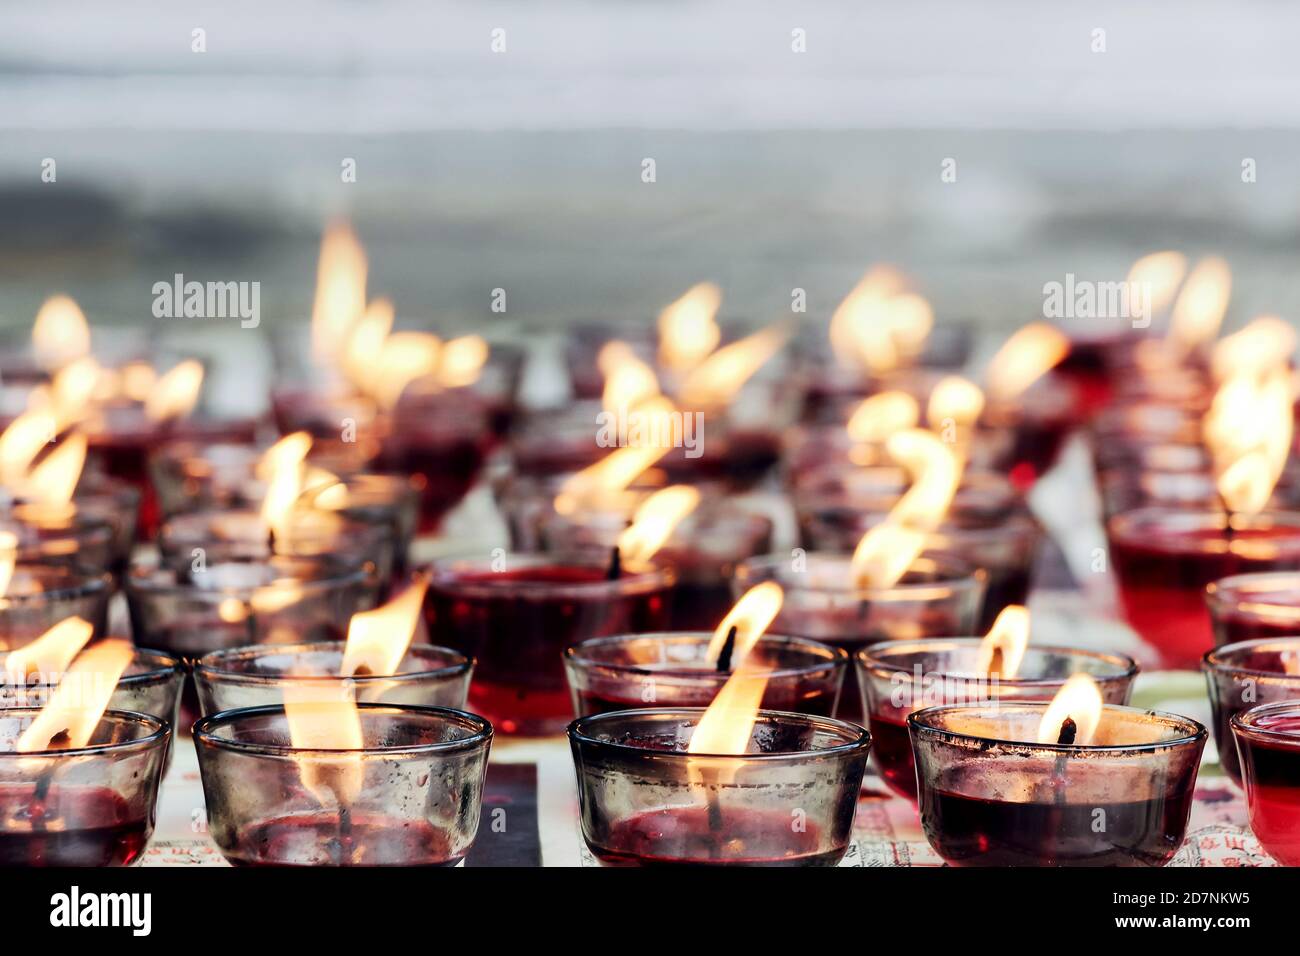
<point x="899" y="677"/>
<point x="1268" y="742"/>
<point x="380" y="663"/>
<point x="1242" y="675"/>
<point x="516" y="613"/>
<point x="730" y="785"/>
<point x="1073" y="782"/>
<point x="78" y="783"/>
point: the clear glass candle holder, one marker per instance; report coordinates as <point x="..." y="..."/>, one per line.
<point x="1268" y="743"/>
<point x="1164" y="559"/>
<point x="1242" y="675"/>
<point x="257" y="676"/>
<point x="789" y="800"/>
<point x="673" y="670"/>
<point x="47" y="536"/>
<point x="90" y="806"/>
<point x="41" y="595"/>
<point x="897" y="678"/>
<point x="98" y="500"/>
<point x="515" y="616"/>
<point x="939" y="596"/>
<point x="1248" y="606"/>
<point x="150" y="685"/>
<point x="990" y="796"/>
<point x="412" y="793"/>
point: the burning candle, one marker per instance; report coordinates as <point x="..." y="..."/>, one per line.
<point x="78" y="784"/>
<point x="1268" y="742"/>
<point x="1242" y="675"/>
<point x="35" y="597"/>
<point x="515" y="614"/>
<point x="897" y="678"/>
<point x="379" y="663"/>
<point x="728" y="786"/>
<point x="324" y="781"/>
<point x="1074" y="782"/>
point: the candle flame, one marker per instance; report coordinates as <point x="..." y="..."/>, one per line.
<point x="340" y="291"/>
<point x="654" y="522"/>
<point x="1025" y="358"/>
<point x="1160" y="273"/>
<point x="868" y="332"/>
<point x="324" y="717"/>
<point x="73" y="712"/>
<point x="405" y="358"/>
<point x="52" y="652"/>
<point x="716" y="380"/>
<point x="687" y="330"/>
<point x="621" y="466"/>
<point x="1079" y="699"/>
<point x="880" y="416"/>
<point x="20" y="444"/>
<point x="53" y="482"/>
<point x="628" y="380"/>
<point x="1248" y="430"/>
<point x="1262" y="345"/>
<point x="726" y="726"/>
<point x="74" y="391"/>
<point x="176" y="392"/>
<point x="1003" y="648"/>
<point x="8" y="559"/>
<point x="751" y="616"/>
<point x="954" y="399"/>
<point x="378" y="639"/>
<point x="283" y="462"/>
<point x="60" y="334"/>
<point x="1201" y="305"/>
<point x="462" y="361"/>
<point x="362" y="358"/>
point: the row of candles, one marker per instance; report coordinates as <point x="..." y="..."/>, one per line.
<point x="340" y="729"/>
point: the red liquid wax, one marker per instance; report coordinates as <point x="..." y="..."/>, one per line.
<point x="684" y="837"/>
<point x="71" y="826"/>
<point x="891" y="747"/>
<point x="518" y="636"/>
<point x="970" y="831"/>
<point x="1272" y="774"/>
<point x="315" y="840"/>
<point x="442" y="466"/>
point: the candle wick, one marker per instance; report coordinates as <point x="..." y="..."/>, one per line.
<point x="1069" y="730"/>
<point x="995" y="663"/>
<point x="728" y="648"/>
<point x="615" y="570"/>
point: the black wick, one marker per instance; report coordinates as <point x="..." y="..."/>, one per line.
<point x="615" y="570"/>
<point x="728" y="648"/>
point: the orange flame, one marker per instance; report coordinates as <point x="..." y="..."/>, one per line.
<point x="687" y="330"/>
<point x="1248" y="430"/>
<point x="20" y="444"/>
<point x="628" y="380"/>
<point x="1201" y="305"/>
<point x="378" y="639"/>
<point x="716" y="380"/>
<point x="1079" y="699"/>
<point x="726" y="726"/>
<point x="53" y="482"/>
<point x="325" y="718"/>
<point x="654" y="523"/>
<point x="1262" y="345"/>
<point x="73" y="712"/>
<point x="60" y="334"/>
<point x="1160" y="273"/>
<point x="52" y="652"/>
<point x="340" y="291"/>
<point x="176" y="392"/>
<point x="751" y="616"/>
<point x="880" y="416"/>
<point x="884" y="554"/>
<point x="362" y="358"/>
<point x="283" y="462"/>
<point x="954" y="399"/>
<point x="867" y="332"/>
<point x="462" y="361"/>
<point x="74" y="390"/>
<point x="1003" y="648"/>
<point x="8" y="559"/>
<point x="1025" y="358"/>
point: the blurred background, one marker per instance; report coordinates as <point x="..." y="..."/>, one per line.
<point x="501" y="145"/>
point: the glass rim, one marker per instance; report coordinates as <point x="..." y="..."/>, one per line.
<point x="964" y="575"/>
<point x="836" y="657"/>
<point x="1212" y="661"/>
<point x="160" y="732"/>
<point x="88" y="583"/>
<point x="1128" y="525"/>
<point x="448" y="575"/>
<point x="210" y="665"/>
<point x="858" y="738"/>
<point x="866" y="660"/>
<point x="1193" y="731"/>
<point x="1222" y="594"/>
<point x="204" y="732"/>
<point x="163" y="667"/>
<point x="1244" y="723"/>
<point x="342" y="574"/>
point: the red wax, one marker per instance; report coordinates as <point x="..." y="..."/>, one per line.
<point x="443" y="465"/>
<point x="1272" y="772"/>
<point x="316" y="840"/>
<point x="971" y="831"/>
<point x="891" y="746"/>
<point x="1163" y="574"/>
<point x="684" y="836"/>
<point x="518" y="635"/>
<point x="71" y="826"/>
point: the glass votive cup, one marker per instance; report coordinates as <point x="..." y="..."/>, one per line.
<point x="897" y="678"/>
<point x="416" y="782"/>
<point x="41" y="595"/>
<point x="673" y="670"/>
<point x="555" y="442"/>
<point x="257" y="676"/>
<point x="98" y="500"/>
<point x="938" y="596"/>
<point x="1268" y="745"/>
<point x="703" y="550"/>
<point x="1242" y="675"/>
<point x="90" y="806"/>
<point x="74" y="539"/>
<point x="1247" y="606"/>
<point x="789" y="800"/>
<point x="990" y="796"/>
<point x="1164" y="558"/>
<point x="150" y="685"/>
<point x="1023" y="438"/>
<point x="517" y="620"/>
